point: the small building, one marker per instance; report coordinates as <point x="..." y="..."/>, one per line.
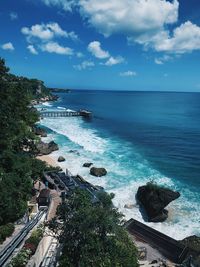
<point x="44" y="197"/>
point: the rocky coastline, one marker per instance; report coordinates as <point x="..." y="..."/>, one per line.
<point x="152" y="199"/>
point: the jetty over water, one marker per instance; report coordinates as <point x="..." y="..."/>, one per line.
<point x="65" y="113"/>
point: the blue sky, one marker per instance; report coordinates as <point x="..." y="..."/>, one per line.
<point x="100" y="44"/>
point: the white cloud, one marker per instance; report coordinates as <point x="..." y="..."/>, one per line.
<point x="46" y="32"/>
<point x="84" y="65"/>
<point x="54" y="47"/>
<point x="162" y="60"/>
<point x="185" y="38"/>
<point x="79" y="54"/>
<point x="64" y="4"/>
<point x="96" y="50"/>
<point x="13" y="15"/>
<point x="8" y="46"/>
<point x="132" y="18"/>
<point x="32" y="49"/>
<point x="128" y="73"/>
<point x="114" y="61"/>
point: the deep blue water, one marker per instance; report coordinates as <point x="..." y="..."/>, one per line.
<point x="138" y="136"/>
<point x="165" y="127"/>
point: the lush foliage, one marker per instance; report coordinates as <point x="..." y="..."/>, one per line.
<point x="6" y="231"/>
<point x="92" y="234"/>
<point x="21" y="259"/>
<point x="17" y="164"/>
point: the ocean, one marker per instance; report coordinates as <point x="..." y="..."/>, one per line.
<point x="138" y="137"/>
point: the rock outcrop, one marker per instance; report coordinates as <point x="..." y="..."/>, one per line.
<point x="40" y="131"/>
<point x="46" y="148"/>
<point x="153" y="199"/>
<point x="87" y="164"/>
<point x="129" y="206"/>
<point x="61" y="159"/>
<point x="98" y="171"/>
<point x="193" y="243"/>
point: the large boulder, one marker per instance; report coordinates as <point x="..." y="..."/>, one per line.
<point x="193" y="244"/>
<point x="98" y="171"/>
<point x="153" y="200"/>
<point x="46" y="148"/>
<point x="87" y="164"/>
<point x="40" y="131"/>
<point x="61" y="159"/>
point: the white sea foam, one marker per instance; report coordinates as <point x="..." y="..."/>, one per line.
<point x="61" y="108"/>
<point x="47" y="104"/>
<point x="127" y="170"/>
<point x="85" y="138"/>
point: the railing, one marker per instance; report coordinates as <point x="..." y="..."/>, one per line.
<point x="6" y="253"/>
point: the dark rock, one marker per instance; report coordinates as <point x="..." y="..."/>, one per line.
<point x="98" y="171"/>
<point x="154" y="199"/>
<point x="193" y="243"/>
<point x="46" y="148"/>
<point x="61" y="159"/>
<point x="87" y="164"/>
<point x="40" y="131"/>
<point x="75" y="152"/>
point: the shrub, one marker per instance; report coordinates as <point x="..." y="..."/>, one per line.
<point x="6" y="231"/>
<point x="21" y="259"/>
<point x="31" y="247"/>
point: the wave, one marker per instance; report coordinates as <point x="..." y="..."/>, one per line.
<point x="127" y="170"/>
<point x="47" y="104"/>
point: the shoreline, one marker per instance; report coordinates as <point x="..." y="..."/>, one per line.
<point x="124" y="195"/>
<point x="48" y="159"/>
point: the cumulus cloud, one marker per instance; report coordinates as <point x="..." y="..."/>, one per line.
<point x="66" y="5"/>
<point x="132" y="18"/>
<point x="47" y="32"/>
<point x="13" y="15"/>
<point x="128" y="73"/>
<point x="114" y="61"/>
<point x="8" y="46"/>
<point x="142" y="21"/>
<point x="185" y="38"/>
<point x="96" y="50"/>
<point x="54" y="47"/>
<point x="84" y="65"/>
<point x="32" y="50"/>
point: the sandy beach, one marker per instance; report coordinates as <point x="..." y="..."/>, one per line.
<point x="49" y="160"/>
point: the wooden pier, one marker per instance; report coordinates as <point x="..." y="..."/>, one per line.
<point x="65" y="113"/>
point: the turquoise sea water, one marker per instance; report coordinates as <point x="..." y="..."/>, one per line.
<point x="137" y="137"/>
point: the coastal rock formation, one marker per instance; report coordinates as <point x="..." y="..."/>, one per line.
<point x="75" y="152"/>
<point x="46" y="148"/>
<point x="129" y="206"/>
<point x="61" y="159"/>
<point x="154" y="199"/>
<point x="39" y="131"/>
<point x="98" y="171"/>
<point x="193" y="243"/>
<point x="87" y="164"/>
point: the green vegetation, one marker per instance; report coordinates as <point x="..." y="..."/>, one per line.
<point x="17" y="143"/>
<point x="92" y="234"/>
<point x="21" y="259"/>
<point x="6" y="231"/>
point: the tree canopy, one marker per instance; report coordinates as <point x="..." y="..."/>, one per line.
<point x="92" y="234"/>
<point x="17" y="165"/>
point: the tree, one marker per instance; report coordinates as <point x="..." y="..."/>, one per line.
<point x="17" y="163"/>
<point x="92" y="234"/>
